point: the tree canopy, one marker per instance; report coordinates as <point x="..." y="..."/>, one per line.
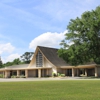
<point x="25" y="59"/>
<point x="84" y="34"/>
<point x="16" y="61"/>
<point x="1" y="64"/>
<point x="27" y="56"/>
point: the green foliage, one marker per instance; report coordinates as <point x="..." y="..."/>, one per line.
<point x="1" y="75"/>
<point x="1" y="64"/>
<point x="13" y="76"/>
<point x="22" y="76"/>
<point x="16" y="61"/>
<point x="26" y="57"/>
<point x="58" y="74"/>
<point x="53" y="74"/>
<point x="84" y="36"/>
<point x="8" y="64"/>
<point x="62" y="75"/>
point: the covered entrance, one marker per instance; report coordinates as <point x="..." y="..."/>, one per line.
<point x="39" y="72"/>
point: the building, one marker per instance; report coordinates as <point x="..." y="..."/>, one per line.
<point x="45" y="62"/>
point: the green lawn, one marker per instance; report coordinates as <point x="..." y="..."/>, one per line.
<point x="51" y="90"/>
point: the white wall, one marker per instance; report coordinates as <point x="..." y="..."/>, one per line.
<point x="8" y="73"/>
<point x="47" y="63"/>
<point x="31" y="73"/>
<point x="54" y="70"/>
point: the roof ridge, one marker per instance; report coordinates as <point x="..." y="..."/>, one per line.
<point x="52" y="56"/>
<point x="48" y="47"/>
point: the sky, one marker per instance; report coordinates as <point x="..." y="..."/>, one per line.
<point x="26" y="24"/>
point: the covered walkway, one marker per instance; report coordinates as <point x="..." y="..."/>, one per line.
<point x="85" y="70"/>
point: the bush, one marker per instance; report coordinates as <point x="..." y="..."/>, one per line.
<point x="22" y="76"/>
<point x="62" y="75"/>
<point x="1" y="75"/>
<point x="13" y="76"/>
<point x="54" y="74"/>
<point x="58" y="74"/>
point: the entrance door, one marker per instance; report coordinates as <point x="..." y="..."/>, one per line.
<point x="69" y="72"/>
<point x="43" y="72"/>
<point x="36" y="72"/>
<point x="10" y="73"/>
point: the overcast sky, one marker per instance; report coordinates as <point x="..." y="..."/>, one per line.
<point x="25" y="24"/>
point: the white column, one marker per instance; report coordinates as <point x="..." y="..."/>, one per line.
<point x="39" y="73"/>
<point x="5" y="74"/>
<point x="85" y="72"/>
<point x="26" y="73"/>
<point x="96" y="73"/>
<point x="73" y="72"/>
<point x="18" y="73"/>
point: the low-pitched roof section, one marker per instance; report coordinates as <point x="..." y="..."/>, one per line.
<point x="21" y="66"/>
<point x="52" y="55"/>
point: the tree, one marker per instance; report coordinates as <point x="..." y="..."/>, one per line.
<point x="1" y="64"/>
<point x="8" y="64"/>
<point x="84" y="33"/>
<point x="16" y="61"/>
<point x="27" y="56"/>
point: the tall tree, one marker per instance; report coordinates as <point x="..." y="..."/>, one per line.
<point x="26" y="57"/>
<point x="16" y="61"/>
<point x="1" y="64"/>
<point x="8" y="64"/>
<point x="84" y="33"/>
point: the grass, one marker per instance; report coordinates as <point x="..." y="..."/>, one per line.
<point x="51" y="90"/>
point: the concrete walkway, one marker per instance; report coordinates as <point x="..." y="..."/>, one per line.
<point x="44" y="79"/>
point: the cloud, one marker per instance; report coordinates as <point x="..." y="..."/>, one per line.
<point x="47" y="39"/>
<point x="10" y="58"/>
<point x="6" y="48"/>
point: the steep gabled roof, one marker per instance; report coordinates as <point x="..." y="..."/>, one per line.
<point x="52" y="56"/>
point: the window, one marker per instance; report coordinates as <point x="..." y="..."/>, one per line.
<point x="39" y="59"/>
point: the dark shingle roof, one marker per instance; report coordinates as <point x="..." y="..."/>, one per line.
<point x="52" y="56"/>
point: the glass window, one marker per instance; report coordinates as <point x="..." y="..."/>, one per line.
<point x="39" y="59"/>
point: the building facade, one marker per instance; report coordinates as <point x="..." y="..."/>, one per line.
<point x="45" y="62"/>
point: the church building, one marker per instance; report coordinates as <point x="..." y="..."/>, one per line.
<point x="45" y="62"/>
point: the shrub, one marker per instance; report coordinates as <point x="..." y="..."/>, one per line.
<point x="58" y="74"/>
<point x="1" y="75"/>
<point x="62" y="75"/>
<point x="54" y="74"/>
<point x="22" y="76"/>
<point x="13" y="76"/>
